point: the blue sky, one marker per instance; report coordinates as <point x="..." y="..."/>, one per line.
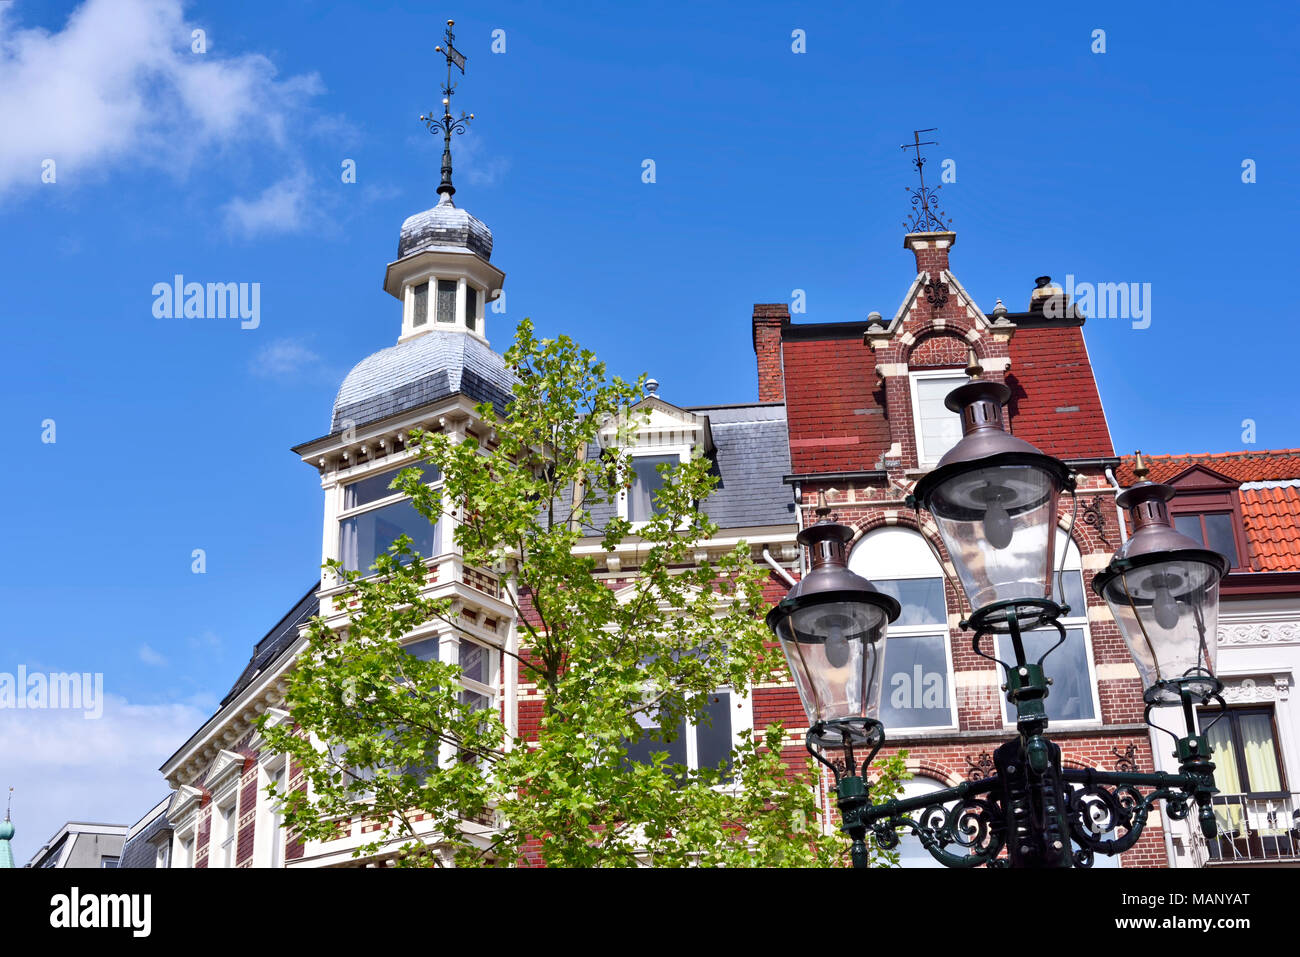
<point x="775" y="171"/>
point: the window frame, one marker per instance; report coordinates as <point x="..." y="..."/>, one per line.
<point x="1233" y="713"/>
<point x="394" y="497"/>
<point x="933" y="629"/>
<point x="682" y="451"/>
<point x="1077" y="619"/>
<point x="742" y="719"/>
<point x="957" y="377"/>
<point x="1201" y="505"/>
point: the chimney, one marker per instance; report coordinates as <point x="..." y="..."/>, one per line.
<point x="769" y="320"/>
<point x="931" y="251"/>
<point x="1051" y="301"/>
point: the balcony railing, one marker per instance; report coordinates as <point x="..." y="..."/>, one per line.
<point x="1252" y="829"/>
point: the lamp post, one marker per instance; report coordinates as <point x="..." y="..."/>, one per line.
<point x="994" y="500"/>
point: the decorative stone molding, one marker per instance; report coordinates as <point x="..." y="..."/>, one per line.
<point x="1259" y="633"/>
<point x="1256" y="690"/>
<point x="226" y="763"/>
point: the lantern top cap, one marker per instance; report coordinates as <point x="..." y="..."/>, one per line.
<point x="975" y="391"/>
<point x="1144" y="492"/>
<point x="824" y="531"/>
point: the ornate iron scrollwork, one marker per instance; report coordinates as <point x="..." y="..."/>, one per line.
<point x="979" y="768"/>
<point x="1094" y="516"/>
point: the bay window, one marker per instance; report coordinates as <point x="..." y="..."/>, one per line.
<point x="374" y="516"/>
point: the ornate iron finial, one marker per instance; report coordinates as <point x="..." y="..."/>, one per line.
<point x="1140" y="470"/>
<point x="822" y="510"/>
<point x="446" y="123"/>
<point x="926" y="217"/>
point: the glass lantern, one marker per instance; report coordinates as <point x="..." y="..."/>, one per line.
<point x="993" y="497"/>
<point x="1163" y="589"/>
<point x="832" y="628"/>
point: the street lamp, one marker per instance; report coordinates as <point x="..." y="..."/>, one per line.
<point x="994" y="500"/>
<point x="832" y="627"/>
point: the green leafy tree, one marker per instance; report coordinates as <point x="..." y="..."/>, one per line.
<point x="385" y="736"/>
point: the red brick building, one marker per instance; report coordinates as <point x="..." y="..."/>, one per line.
<point x="866" y="420"/>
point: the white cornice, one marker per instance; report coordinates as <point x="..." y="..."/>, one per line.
<point x="182" y="800"/>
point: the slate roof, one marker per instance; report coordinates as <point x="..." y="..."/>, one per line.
<point x="751" y="458"/>
<point x="444" y="227"/>
<point x="140" y="849"/>
<point x="276" y="641"/>
<point x="419" y="371"/>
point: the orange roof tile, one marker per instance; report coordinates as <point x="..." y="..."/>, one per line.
<point x="1266" y="465"/>
<point x="1272" y="518"/>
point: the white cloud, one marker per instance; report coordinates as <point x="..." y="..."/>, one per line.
<point x="118" y="84"/>
<point x="151" y="657"/>
<point x="472" y="165"/>
<point x="283" y="358"/>
<point x="284" y="207"/>
<point x="67" y="768"/>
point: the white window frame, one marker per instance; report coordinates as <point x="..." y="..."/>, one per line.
<point x="226" y="849"/>
<point x="464" y="289"/>
<point x="1077" y="620"/>
<point x="742" y="712"/>
<point x="162" y="856"/>
<point x="924" y="567"/>
<point x="958" y="378"/>
<point x="270" y="841"/>
<point x="187" y="844"/>
<point x="683" y="452"/>
<point x="391" y="463"/>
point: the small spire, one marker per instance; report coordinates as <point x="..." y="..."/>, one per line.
<point x="447" y="124"/>
<point x="822" y="510"/>
<point x="6" y="835"/>
<point x="1140" y="470"/>
<point x="10" y="805"/>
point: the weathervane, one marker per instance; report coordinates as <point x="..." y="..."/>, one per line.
<point x="926" y="215"/>
<point x="447" y="123"/>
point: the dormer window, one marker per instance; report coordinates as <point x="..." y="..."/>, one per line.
<point x="646" y="481"/>
<point x="1214" y="530"/>
<point x="937" y="428"/>
<point x="1207" y="509"/>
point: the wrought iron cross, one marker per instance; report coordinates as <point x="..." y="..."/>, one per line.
<point x="926" y="217"/>
<point x="447" y="124"/>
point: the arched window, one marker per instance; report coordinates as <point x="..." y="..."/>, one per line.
<point x="918" y="658"/>
<point x="1072" y="697"/>
<point x="910" y="851"/>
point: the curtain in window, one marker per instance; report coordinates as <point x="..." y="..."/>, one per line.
<point x="1261" y="756"/>
<point x="646" y="480"/>
<point x="1226" y="778"/>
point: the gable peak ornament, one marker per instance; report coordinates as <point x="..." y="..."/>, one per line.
<point x="925" y="217"/>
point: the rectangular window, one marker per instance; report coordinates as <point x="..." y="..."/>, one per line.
<point x="1070" y="697"/>
<point x="1245" y="752"/>
<point x="420" y="304"/>
<point x="187" y="851"/>
<point x="375" y="487"/>
<point x="447" y="300"/>
<point x="917" y="690"/>
<point x="646" y="481"/>
<point x="281" y="779"/>
<point x="162" y="856"/>
<point x="426" y="649"/>
<point x="1212" y="529"/>
<point x="471" y="308"/>
<point x="366" y="535"/>
<point x="226" y="849"/>
<point x="937" y="428"/>
<point x="363" y="538"/>
<point x="709" y="741"/>
<point x="109" y="862"/>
